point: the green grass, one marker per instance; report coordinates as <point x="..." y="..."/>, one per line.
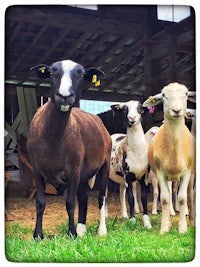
<point x="125" y="242"/>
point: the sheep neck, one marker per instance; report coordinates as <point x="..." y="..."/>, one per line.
<point x="173" y="130"/>
<point x="56" y="123"/>
<point x="135" y="137"/>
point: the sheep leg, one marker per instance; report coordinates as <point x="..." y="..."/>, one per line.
<point x="40" y="207"/>
<point x="172" y="212"/>
<point x="130" y="177"/>
<point x="144" y="191"/>
<point x="182" y="200"/>
<point x="176" y="187"/>
<point x="135" y="192"/>
<point x="122" y="190"/>
<point x="103" y="177"/>
<point x="70" y="206"/>
<point x="165" y="200"/>
<point x="82" y="211"/>
<point x="191" y="199"/>
<point x="175" y="190"/>
<point x="155" y="194"/>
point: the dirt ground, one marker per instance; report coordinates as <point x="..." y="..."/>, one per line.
<point x="23" y="210"/>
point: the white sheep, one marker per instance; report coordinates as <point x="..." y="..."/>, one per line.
<point x="129" y="158"/>
<point x="171" y="153"/>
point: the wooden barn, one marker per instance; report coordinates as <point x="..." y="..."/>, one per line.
<point x="138" y="51"/>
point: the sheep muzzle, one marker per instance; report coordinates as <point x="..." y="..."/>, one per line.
<point x="64" y="103"/>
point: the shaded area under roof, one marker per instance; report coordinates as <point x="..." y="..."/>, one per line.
<point x="138" y="52"/>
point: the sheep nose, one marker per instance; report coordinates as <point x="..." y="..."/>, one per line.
<point x="132" y="118"/>
<point x="176" y="111"/>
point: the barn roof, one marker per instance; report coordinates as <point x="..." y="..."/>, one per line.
<point x="138" y="53"/>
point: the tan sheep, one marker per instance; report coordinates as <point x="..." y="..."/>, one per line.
<point x="171" y="153"/>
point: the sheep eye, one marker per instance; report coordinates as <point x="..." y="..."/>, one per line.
<point x="125" y="108"/>
<point x="164" y="96"/>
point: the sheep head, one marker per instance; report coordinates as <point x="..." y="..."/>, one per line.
<point x="66" y="79"/>
<point x="174" y="97"/>
<point x="132" y="112"/>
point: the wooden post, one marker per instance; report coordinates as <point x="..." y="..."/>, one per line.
<point x="27" y="107"/>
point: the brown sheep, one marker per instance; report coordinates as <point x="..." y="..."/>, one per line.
<point x="67" y="146"/>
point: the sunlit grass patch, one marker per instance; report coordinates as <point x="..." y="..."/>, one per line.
<point x="125" y="242"/>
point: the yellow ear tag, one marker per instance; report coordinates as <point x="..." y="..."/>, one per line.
<point x="42" y="70"/>
<point x="94" y="78"/>
<point x="97" y="83"/>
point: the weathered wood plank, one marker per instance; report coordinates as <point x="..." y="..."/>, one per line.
<point x="22" y="110"/>
<point x="31" y="103"/>
<point x="27" y="107"/>
<point x="11" y="130"/>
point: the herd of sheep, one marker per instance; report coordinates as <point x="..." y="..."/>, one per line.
<point x="68" y="146"/>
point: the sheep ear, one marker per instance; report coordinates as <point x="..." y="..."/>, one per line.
<point x="190" y="113"/>
<point x="192" y="96"/>
<point x="153" y="100"/>
<point x="93" y="75"/>
<point x="115" y="107"/>
<point x="140" y="108"/>
<point x="42" y="71"/>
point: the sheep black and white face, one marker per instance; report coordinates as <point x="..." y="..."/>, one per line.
<point x="132" y="112"/>
<point x="66" y="77"/>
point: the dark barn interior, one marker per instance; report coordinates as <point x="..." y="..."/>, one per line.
<point x="138" y="53"/>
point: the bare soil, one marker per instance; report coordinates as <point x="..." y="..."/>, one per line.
<point x="23" y="210"/>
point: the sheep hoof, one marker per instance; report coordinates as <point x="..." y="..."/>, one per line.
<point x="72" y="235"/>
<point x="182" y="227"/>
<point x="132" y="219"/>
<point x="81" y="229"/>
<point x="102" y="231"/>
<point x="146" y="221"/>
<point x="164" y="230"/>
<point x="192" y="222"/>
<point x="125" y="215"/>
<point x="37" y="236"/>
<point x="172" y="213"/>
<point x="154" y="212"/>
<point x="181" y="231"/>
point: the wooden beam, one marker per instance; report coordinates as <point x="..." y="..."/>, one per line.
<point x="85" y="20"/>
<point x="30" y="47"/>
